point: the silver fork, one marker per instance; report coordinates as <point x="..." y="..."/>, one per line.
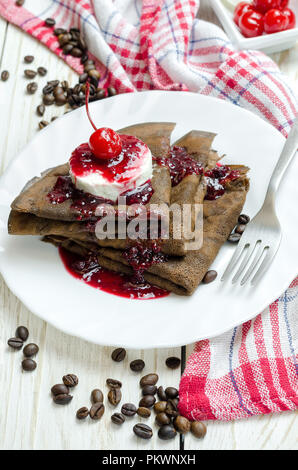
<point x="261" y="239"/>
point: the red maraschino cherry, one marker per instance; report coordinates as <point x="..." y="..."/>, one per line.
<point x="105" y="143"/>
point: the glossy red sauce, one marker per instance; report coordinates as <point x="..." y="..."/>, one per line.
<point x="180" y="164"/>
<point x="217" y="179"/>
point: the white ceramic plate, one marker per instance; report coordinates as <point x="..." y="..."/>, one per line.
<point x="34" y="271"/>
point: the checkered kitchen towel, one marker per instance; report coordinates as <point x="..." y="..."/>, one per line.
<point x="158" y="44"/>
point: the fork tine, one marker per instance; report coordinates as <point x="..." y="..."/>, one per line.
<point x="234" y="259"/>
<point x="264" y="266"/>
<point x="248" y="254"/>
<point x="253" y="264"/>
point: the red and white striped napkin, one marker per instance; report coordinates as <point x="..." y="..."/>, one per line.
<point x="159" y="44"/>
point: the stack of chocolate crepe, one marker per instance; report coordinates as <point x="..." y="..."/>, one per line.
<point x="33" y="214"/>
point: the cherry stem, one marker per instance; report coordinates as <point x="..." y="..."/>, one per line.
<point x="87" y="105"/>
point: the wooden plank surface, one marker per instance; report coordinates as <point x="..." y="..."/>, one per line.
<point x="29" y="419"/>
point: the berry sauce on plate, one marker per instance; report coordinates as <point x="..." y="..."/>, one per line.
<point x="180" y="164"/>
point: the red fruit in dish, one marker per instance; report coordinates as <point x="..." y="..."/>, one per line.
<point x="275" y="21"/>
<point x="240" y="9"/>
<point x="291" y="17"/>
<point x="264" y="5"/>
<point x="251" y="24"/>
<point x="105" y="143"/>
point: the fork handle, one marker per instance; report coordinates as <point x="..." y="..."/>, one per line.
<point x="287" y="154"/>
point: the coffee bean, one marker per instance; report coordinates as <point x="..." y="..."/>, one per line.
<point x="67" y="49"/>
<point x="15" y="343"/>
<point x="160" y="406"/>
<point x="30" y="349"/>
<point x="54" y="118"/>
<point x="42" y="71"/>
<point x="112" y="383"/>
<point x="166" y="432"/>
<point x="137" y="365"/>
<point x="128" y="409"/>
<point x="30" y="73"/>
<point x="48" y="99"/>
<point x="65" y="85"/>
<point x="62" y="399"/>
<point x="118" y="418"/>
<point x="28" y="59"/>
<point x="54" y="83"/>
<point x="70" y="380"/>
<point x="171" y="392"/>
<point x="147" y="401"/>
<point x="4" y="75"/>
<point x="76" y="52"/>
<point x="40" y="110"/>
<point x="240" y="228"/>
<point x="99" y="96"/>
<point x="94" y="74"/>
<point x="20" y="3"/>
<point x="82" y="413"/>
<point x="149" y="390"/>
<point x="118" y="354"/>
<point x="84" y="58"/>
<point x="149" y="379"/>
<point x="64" y="39"/>
<point x="171" y="408"/>
<point x="97" y="410"/>
<point x="58" y="91"/>
<point x="50" y="22"/>
<point x="96" y="396"/>
<point x="60" y="389"/>
<point x="198" y="429"/>
<point x="22" y="332"/>
<point x="29" y="365"/>
<point x="82" y="43"/>
<point x="114" y="396"/>
<point x="143" y="412"/>
<point x="173" y="362"/>
<point x="182" y="424"/>
<point x="234" y="237"/>
<point x="82" y="79"/>
<point x="88" y="67"/>
<point x="243" y="219"/>
<point x="111" y="91"/>
<point x="43" y="124"/>
<point x="162" y="419"/>
<point x="58" y="31"/>
<point x="161" y="394"/>
<point x="143" y="431"/>
<point x="47" y="89"/>
<point x="210" y="276"/>
<point x="32" y="87"/>
<point x="60" y="100"/>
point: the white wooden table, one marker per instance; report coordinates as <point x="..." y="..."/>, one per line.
<point x="29" y="419"/>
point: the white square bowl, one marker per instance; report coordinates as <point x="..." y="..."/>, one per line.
<point x="267" y="43"/>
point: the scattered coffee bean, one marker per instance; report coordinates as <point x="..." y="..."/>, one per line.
<point x="100" y="94"/>
<point x="40" y="110"/>
<point x="198" y="429"/>
<point x="210" y="276"/>
<point x="118" y="354"/>
<point x="67" y="49"/>
<point x="70" y="380"/>
<point x="118" y="418"/>
<point x="128" y="409"/>
<point x="234" y="237"/>
<point x="82" y="413"/>
<point x="240" y="228"/>
<point x="50" y="22"/>
<point x="20" y="3"/>
<point x="173" y="362"/>
<point x="4" y="75"/>
<point x="42" y="71"/>
<point x="114" y="396"/>
<point x="15" y="343"/>
<point x="149" y="379"/>
<point x="143" y="431"/>
<point x="137" y="365"/>
<point x="96" y="396"/>
<point x="143" y="412"/>
<point x="30" y="73"/>
<point x="42" y="124"/>
<point x="167" y="432"/>
<point x="171" y="408"/>
<point x="76" y="52"/>
<point x="182" y="424"/>
<point x="162" y="419"/>
<point x="54" y="83"/>
<point x="112" y="383"/>
<point x="62" y="399"/>
<point x="32" y="87"/>
<point x="161" y="394"/>
<point x="60" y="389"/>
<point x="30" y="349"/>
<point x="48" y="99"/>
<point x="149" y="390"/>
<point x="22" y="332"/>
<point x="243" y="219"/>
<point x="29" y="364"/>
<point x="160" y="406"/>
<point x="147" y="401"/>
<point x="94" y="74"/>
<point x="112" y="91"/>
<point x="47" y="89"/>
<point x="54" y="118"/>
<point x="97" y="410"/>
<point x="58" y="31"/>
<point x="28" y="59"/>
<point x="171" y="392"/>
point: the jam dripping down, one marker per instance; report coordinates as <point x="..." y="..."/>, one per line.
<point x="217" y="180"/>
<point x="88" y="270"/>
<point x="180" y="164"/>
<point x="141" y="256"/>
